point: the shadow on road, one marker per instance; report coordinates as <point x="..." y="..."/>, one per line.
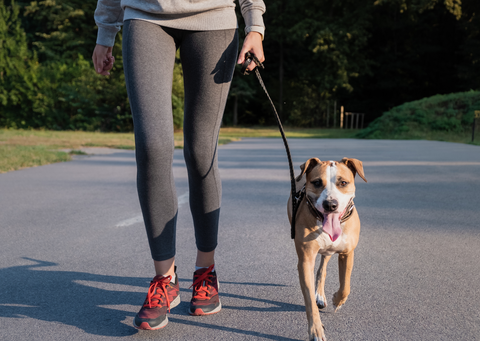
<point x="97" y="304"/>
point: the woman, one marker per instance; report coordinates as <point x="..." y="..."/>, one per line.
<point x="205" y="31"/>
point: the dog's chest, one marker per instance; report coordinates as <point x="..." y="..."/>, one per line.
<point x="329" y="247"/>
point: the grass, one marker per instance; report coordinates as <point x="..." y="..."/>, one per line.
<point x="29" y="148"/>
<point x="66" y="139"/>
<point x="17" y="157"/>
<point x="456" y="137"/>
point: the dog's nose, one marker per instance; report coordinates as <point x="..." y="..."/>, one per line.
<point x="330" y="205"/>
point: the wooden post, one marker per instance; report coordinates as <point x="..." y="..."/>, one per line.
<point x="335" y="114"/>
<point x="328" y="111"/>
<point x="351" y="120"/>
<point x="362" y="121"/>
<point x="341" y="117"/>
<point x="477" y="115"/>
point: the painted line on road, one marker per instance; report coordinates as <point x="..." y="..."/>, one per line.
<point x="129" y="222"/>
<point x="182" y="200"/>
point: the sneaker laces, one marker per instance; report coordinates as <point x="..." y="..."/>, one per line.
<point x="202" y="283"/>
<point x="154" y="296"/>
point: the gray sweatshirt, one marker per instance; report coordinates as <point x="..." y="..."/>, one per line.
<point x="193" y="15"/>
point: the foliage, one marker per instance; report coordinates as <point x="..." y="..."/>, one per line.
<point x="60" y="29"/>
<point x="314" y="49"/>
<point x="445" y="113"/>
<point x="369" y="56"/>
<point x="416" y="7"/>
<point x="19" y="68"/>
<point x="419" y="51"/>
<point x="47" y="78"/>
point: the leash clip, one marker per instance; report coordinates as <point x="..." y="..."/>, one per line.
<point x="249" y="58"/>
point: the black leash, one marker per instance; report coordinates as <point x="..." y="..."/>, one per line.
<point x="296" y="196"/>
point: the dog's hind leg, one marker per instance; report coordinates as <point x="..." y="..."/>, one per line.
<point x="345" y="266"/>
<point x="321" y="275"/>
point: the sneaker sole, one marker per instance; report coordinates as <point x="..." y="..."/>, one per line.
<point x="146" y="326"/>
<point x="200" y="312"/>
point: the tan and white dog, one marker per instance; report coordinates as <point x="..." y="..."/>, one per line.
<point x="327" y="222"/>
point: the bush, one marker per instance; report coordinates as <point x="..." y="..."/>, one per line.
<point x="442" y="113"/>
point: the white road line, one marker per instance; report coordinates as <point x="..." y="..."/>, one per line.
<point x="129" y="222"/>
<point x="183" y="199"/>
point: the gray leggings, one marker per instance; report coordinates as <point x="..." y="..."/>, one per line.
<point x="208" y="61"/>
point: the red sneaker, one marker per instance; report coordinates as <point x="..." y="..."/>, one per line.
<point x="205" y="300"/>
<point x="162" y="296"/>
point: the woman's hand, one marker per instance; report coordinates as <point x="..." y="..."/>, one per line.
<point x="103" y="59"/>
<point x="252" y="44"/>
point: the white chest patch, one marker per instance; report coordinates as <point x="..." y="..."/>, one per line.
<point x="327" y="246"/>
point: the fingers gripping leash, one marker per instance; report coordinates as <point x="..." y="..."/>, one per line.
<point x="296" y="196"/>
<point x="249" y="58"/>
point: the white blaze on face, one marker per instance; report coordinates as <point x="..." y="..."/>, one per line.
<point x="331" y="190"/>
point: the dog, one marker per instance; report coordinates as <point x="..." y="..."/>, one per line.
<point x="327" y="222"/>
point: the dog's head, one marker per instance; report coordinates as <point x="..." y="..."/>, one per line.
<point x="330" y="185"/>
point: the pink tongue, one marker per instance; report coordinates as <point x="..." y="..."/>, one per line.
<point x="331" y="225"/>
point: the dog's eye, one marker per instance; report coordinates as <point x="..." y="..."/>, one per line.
<point x="317" y="183"/>
<point x="343" y="183"/>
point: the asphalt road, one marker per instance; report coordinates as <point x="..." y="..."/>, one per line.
<point x="75" y="263"/>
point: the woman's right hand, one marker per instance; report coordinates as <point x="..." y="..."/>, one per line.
<point x="103" y="59"/>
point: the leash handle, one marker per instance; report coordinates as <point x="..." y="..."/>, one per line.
<point x="249" y="57"/>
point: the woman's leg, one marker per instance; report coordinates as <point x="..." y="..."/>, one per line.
<point x="149" y="57"/>
<point x="208" y="60"/>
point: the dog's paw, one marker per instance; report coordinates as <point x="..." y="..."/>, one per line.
<point x="318" y="334"/>
<point x="339" y="301"/>
<point x="321" y="301"/>
<point x="318" y="338"/>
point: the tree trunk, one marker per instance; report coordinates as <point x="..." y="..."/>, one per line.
<point x="235" y="111"/>
<point x="280" y="82"/>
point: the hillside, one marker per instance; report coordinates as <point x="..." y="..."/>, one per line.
<point x="441" y="117"/>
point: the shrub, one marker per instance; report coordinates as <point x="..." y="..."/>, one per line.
<point x="447" y="113"/>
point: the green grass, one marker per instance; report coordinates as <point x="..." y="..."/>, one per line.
<point x="238" y="133"/>
<point x="29" y="148"/>
<point x="66" y="139"/>
<point x="17" y="157"/>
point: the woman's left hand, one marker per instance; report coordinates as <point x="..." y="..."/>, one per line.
<point x="252" y="44"/>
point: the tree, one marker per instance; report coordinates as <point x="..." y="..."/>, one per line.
<point x="414" y="48"/>
<point x="18" y="67"/>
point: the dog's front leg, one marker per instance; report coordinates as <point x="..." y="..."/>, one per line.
<point x="345" y="266"/>
<point x="306" y="268"/>
<point x="321" y="275"/>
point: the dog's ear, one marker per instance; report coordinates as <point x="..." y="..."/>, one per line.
<point x="307" y="167"/>
<point x="356" y="166"/>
